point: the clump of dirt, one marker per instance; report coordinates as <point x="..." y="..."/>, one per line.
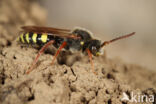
<point x="62" y="84"/>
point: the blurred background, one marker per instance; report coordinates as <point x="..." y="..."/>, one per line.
<point x="108" y="19"/>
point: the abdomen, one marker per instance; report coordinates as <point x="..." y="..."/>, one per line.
<point x="39" y="39"/>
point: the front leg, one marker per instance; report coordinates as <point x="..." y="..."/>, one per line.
<point x="91" y="61"/>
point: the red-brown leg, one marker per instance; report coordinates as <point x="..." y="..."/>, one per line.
<point x="38" y="55"/>
<point x="58" y="51"/>
<point x="91" y="61"/>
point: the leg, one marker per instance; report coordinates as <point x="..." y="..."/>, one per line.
<point x="91" y="61"/>
<point x="38" y="55"/>
<point x="58" y="51"/>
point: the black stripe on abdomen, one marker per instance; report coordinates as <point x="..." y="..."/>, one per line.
<point x="30" y="38"/>
<point x="39" y="42"/>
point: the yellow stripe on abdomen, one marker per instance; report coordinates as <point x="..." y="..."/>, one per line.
<point x="34" y="37"/>
<point x="27" y="37"/>
<point x="22" y="39"/>
<point x="44" y="38"/>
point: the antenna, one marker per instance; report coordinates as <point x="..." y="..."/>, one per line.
<point x="118" y="38"/>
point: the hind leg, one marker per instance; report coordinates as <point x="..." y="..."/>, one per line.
<point x="38" y="55"/>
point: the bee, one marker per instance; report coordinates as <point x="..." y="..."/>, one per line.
<point x="77" y="39"/>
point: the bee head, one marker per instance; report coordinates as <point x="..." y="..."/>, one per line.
<point x="94" y="47"/>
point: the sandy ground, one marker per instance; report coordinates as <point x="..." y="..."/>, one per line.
<point x="61" y="83"/>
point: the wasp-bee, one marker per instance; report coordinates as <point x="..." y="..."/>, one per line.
<point x="77" y="39"/>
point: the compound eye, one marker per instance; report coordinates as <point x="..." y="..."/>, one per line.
<point x="94" y="49"/>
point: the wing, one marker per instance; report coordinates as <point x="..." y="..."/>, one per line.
<point x="51" y="31"/>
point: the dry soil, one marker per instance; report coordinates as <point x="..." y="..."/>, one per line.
<point x="64" y="82"/>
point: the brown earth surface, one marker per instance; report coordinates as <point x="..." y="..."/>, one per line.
<point x="69" y="83"/>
